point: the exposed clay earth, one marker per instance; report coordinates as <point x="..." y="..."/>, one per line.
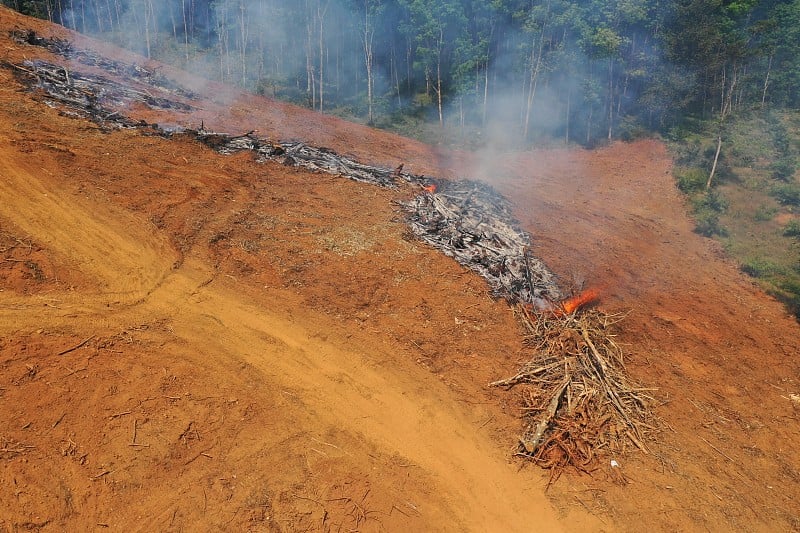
<point x="192" y="341"/>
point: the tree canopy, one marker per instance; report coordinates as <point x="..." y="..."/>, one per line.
<point x="580" y="70"/>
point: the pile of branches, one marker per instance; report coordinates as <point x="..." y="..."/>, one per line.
<point x="65" y="49"/>
<point x="472" y="223"/>
<point x="578" y="404"/>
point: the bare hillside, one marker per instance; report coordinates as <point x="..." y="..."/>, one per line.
<point x="194" y="341"/>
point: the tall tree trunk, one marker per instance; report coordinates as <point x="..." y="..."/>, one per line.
<point x="174" y="22"/>
<point x="536" y="63"/>
<point x="262" y="56"/>
<point x="98" y="15"/>
<point x="439" y="77"/>
<point x="72" y="15"/>
<point x="110" y="15"/>
<point x="566" y="119"/>
<point x="486" y="75"/>
<point x="535" y="68"/>
<point x="185" y="31"/>
<point x="148" y="6"/>
<point x="243" y="37"/>
<point x="461" y="115"/>
<point x="409" y="55"/>
<point x="223" y="42"/>
<point x="338" y="66"/>
<point x="396" y="71"/>
<point x="610" y="97"/>
<point x="117" y="12"/>
<point x="485" y="93"/>
<point x="368" y="35"/>
<point x="589" y="124"/>
<point x="766" y="81"/>
<point x="714" y="166"/>
<point x="439" y="93"/>
<point x="311" y="83"/>
<point x="321" y="12"/>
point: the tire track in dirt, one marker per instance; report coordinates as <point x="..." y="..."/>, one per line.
<point x="126" y="259"/>
<point x="404" y="411"/>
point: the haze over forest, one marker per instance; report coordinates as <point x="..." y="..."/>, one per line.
<point x="579" y="70"/>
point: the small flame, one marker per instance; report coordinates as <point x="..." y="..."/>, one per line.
<point x="429" y="188"/>
<point x="587" y="297"/>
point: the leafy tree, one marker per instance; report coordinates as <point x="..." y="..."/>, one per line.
<point x="434" y="26"/>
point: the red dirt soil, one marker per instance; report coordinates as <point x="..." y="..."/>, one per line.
<point x="191" y="341"/>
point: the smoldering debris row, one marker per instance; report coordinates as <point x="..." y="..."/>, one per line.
<point x="316" y="159"/>
<point x="466" y="220"/>
<point x="92" y="96"/>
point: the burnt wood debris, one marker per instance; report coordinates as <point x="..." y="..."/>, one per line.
<point x="65" y="49"/>
<point x="467" y="220"/>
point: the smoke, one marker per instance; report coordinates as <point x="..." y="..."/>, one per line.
<point x="549" y="73"/>
<point x="534" y="87"/>
<point x="505" y="81"/>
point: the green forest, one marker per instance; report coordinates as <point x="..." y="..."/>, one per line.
<point x="579" y="70"/>
<point x="716" y="79"/>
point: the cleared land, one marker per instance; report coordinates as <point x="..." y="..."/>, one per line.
<point x="196" y="341"/>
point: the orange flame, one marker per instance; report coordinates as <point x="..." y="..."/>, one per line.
<point x="587" y="297"/>
<point x="430" y="188"/>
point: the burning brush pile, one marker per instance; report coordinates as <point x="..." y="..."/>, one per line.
<point x="578" y="404"/>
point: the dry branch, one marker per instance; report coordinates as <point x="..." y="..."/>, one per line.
<point x="9" y="448"/>
<point x="80" y="344"/>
